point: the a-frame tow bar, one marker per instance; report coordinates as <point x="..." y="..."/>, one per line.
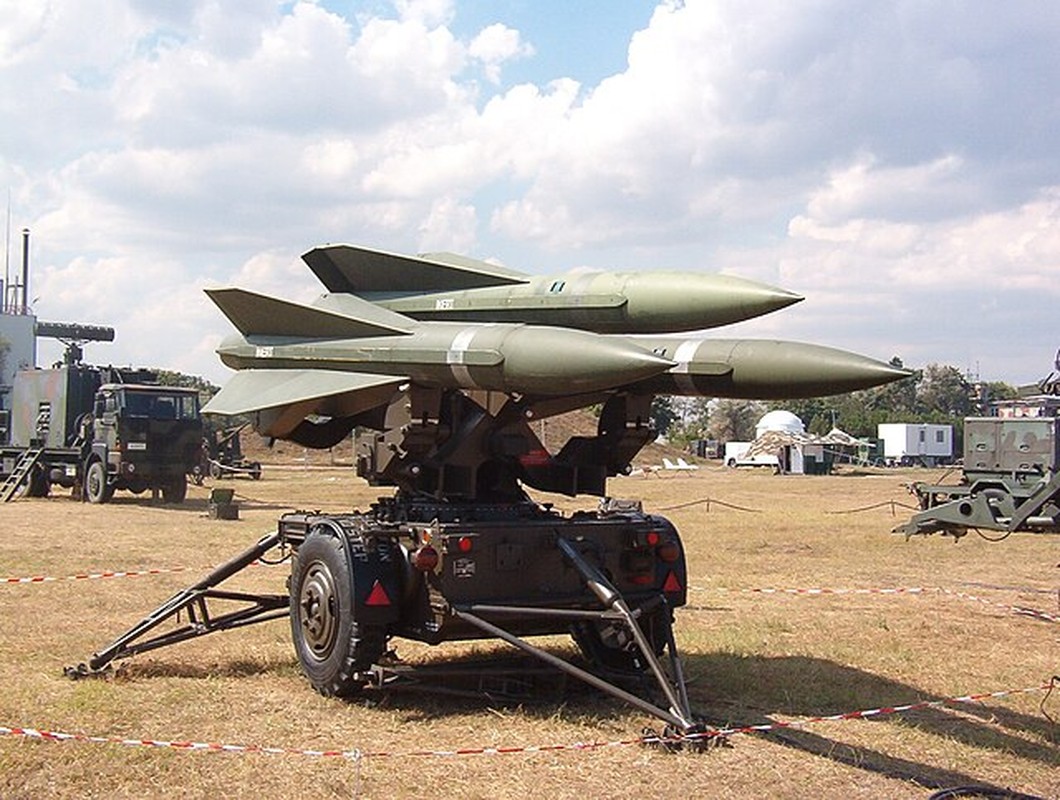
<point x="194" y="602"/>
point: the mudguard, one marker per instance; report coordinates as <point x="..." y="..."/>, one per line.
<point x="376" y="564"/>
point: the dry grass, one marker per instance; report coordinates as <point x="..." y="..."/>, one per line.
<point x="752" y="657"/>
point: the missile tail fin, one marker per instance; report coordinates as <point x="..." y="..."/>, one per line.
<point x="313" y="391"/>
<point x="260" y="315"/>
<point x="357" y="270"/>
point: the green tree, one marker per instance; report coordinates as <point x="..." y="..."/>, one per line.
<point x="894" y="398"/>
<point x="734" y="420"/>
<point x="663" y="414"/>
<point x="171" y="378"/>
<point x="991" y="391"/>
<point x="943" y="393"/>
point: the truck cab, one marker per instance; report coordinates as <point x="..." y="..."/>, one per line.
<point x="143" y="437"/>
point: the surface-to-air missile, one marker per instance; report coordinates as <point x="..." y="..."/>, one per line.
<point x="445" y="286"/>
<point x="345" y="355"/>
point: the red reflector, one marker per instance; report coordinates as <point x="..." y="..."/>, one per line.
<point x="671" y="584"/>
<point x="669" y="552"/>
<point x="535" y="458"/>
<point x="653" y="538"/>
<point x="465" y="543"/>
<point x="378" y="596"/>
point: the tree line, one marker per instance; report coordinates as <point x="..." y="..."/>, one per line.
<point x="935" y="394"/>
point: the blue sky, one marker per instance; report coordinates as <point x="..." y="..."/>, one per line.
<point x="586" y="40"/>
<point x="894" y="162"/>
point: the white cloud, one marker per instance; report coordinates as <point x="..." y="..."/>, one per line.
<point x="430" y="13"/>
<point x="450" y="225"/>
<point x="496" y="44"/>
<point x="851" y="149"/>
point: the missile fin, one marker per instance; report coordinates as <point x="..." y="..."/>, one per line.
<point x="319" y="391"/>
<point x="260" y="315"/>
<point x="356" y="270"/>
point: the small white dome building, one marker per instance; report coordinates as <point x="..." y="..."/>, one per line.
<point x="782" y="436"/>
<point x="782" y="421"/>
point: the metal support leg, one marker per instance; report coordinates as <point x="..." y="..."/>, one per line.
<point x="193" y="600"/>
<point x="611" y="598"/>
<point x="577" y="672"/>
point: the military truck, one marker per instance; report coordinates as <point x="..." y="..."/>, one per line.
<point x="97" y="430"/>
<point x="1010" y="481"/>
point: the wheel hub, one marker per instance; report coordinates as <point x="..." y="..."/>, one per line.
<point x="319" y="618"/>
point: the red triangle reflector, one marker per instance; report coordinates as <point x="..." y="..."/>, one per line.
<point x="378" y="596"/>
<point x="671" y="584"/>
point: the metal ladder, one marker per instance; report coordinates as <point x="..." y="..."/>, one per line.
<point x="20" y="474"/>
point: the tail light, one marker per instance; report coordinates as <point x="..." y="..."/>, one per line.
<point x="425" y="558"/>
<point x="668" y="552"/>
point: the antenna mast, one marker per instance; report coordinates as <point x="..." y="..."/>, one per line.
<point x="7" y="258"/>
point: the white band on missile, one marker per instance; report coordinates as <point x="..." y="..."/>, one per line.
<point x="454" y="357"/>
<point x="685" y="353"/>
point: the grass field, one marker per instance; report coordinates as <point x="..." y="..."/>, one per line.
<point x="752" y="657"/>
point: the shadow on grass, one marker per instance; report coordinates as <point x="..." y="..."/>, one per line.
<point x="235" y="668"/>
<point x="801" y="686"/>
<point x="728" y="691"/>
<point x="804" y="686"/>
<point x="126" y="499"/>
<point x="794" y="686"/>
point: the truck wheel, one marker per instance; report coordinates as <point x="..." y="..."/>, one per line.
<point x="176" y="490"/>
<point x="610" y="646"/>
<point x="97" y="490"/>
<point x="39" y="482"/>
<point x="331" y="646"/>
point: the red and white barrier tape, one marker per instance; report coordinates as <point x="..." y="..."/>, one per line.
<point x="131" y="573"/>
<point x="873" y="712"/>
<point x="89" y="576"/>
<point x="898" y="590"/>
<point x="357" y="754"/>
<point x="216" y="747"/>
<point x="811" y="591"/>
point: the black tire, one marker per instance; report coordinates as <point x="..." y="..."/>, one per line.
<point x="610" y="646"/>
<point x="39" y="483"/>
<point x="176" y="490"/>
<point x="331" y="646"/>
<point x="97" y="490"/>
<point x="255" y="471"/>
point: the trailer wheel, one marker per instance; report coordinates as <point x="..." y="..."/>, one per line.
<point x="610" y="645"/>
<point x="331" y="646"/>
<point x="97" y="490"/>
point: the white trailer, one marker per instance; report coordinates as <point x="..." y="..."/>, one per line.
<point x="905" y="444"/>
